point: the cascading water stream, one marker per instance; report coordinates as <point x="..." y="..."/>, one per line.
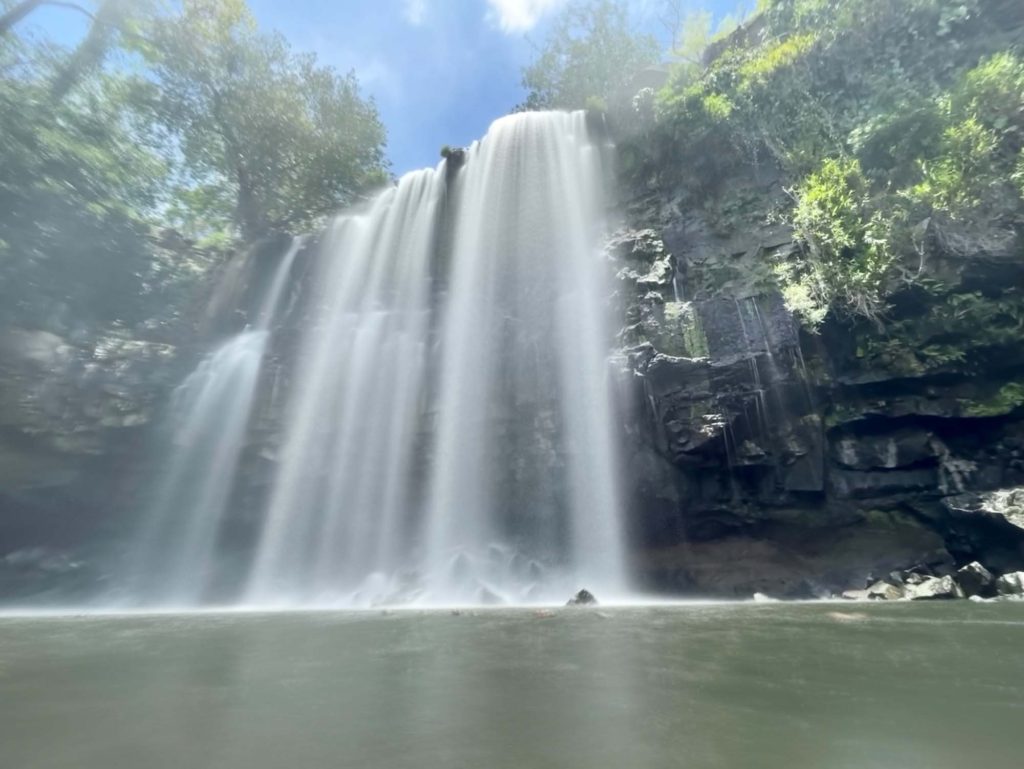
<point x="210" y="412"/>
<point x="338" y="507"/>
<point x="454" y="445"/>
<point x="447" y="429"/>
<point x="523" y="501"/>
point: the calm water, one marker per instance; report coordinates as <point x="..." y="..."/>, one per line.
<point x="739" y="686"/>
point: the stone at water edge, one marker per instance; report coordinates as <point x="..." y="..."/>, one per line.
<point x="855" y="595"/>
<point x="934" y="588"/>
<point x="582" y="598"/>
<point x="976" y="580"/>
<point x="883" y="591"/>
<point x="1011" y="584"/>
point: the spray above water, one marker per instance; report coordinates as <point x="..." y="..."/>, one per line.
<point x="448" y="430"/>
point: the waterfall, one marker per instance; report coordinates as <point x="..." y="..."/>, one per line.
<point x="523" y="499"/>
<point x="175" y="561"/>
<point x="339" y="504"/>
<point x="446" y="434"/>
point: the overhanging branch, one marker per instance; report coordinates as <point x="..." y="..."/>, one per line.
<point x="20" y="11"/>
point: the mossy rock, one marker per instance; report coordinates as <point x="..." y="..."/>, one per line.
<point x="1006" y="400"/>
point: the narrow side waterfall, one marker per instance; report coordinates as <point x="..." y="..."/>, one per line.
<point x="175" y="561"/>
<point x="447" y="433"/>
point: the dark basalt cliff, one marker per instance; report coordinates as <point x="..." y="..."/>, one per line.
<point x="763" y="458"/>
<point x="882" y="428"/>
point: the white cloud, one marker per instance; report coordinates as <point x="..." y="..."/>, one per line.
<point x="415" y="11"/>
<point x="520" y="15"/>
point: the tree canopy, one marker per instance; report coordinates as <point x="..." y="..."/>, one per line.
<point x="180" y="114"/>
<point x="588" y="59"/>
<point x="287" y="140"/>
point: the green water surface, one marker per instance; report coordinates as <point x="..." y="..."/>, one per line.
<point x="742" y="686"/>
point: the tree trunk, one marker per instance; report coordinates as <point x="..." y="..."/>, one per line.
<point x="23" y="9"/>
<point x="247" y="212"/>
<point x="17" y="13"/>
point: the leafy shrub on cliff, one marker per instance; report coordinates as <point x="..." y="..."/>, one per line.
<point x="971" y="172"/>
<point x="750" y="102"/>
<point x="993" y="93"/>
<point x="847" y="251"/>
<point x="890" y="143"/>
<point x="956" y="330"/>
<point x="776" y="55"/>
<point x="965" y="174"/>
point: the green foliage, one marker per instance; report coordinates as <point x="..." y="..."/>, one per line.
<point x="76" y="179"/>
<point x="694" y="36"/>
<point x="695" y="33"/>
<point x="292" y="140"/>
<point x="596" y="104"/>
<point x="964" y="175"/>
<point x="948" y="336"/>
<point x="203" y="212"/>
<point x="758" y="70"/>
<point x="830" y="208"/>
<point x="890" y="143"/>
<point x="877" y="113"/>
<point x="591" y="53"/>
<point x="682" y="334"/>
<point x="1007" y="399"/>
<point x="717" y="106"/>
<point x="177" y="114"/>
<point x="993" y="94"/>
<point x="754" y="101"/>
<point x="970" y="172"/>
<point x="848" y="251"/>
<point x="821" y="71"/>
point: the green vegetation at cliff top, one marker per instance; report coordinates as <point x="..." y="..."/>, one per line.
<point x="877" y="113"/>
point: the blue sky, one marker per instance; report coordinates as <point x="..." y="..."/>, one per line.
<point x="440" y="70"/>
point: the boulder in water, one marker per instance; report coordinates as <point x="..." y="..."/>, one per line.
<point x="933" y="588"/>
<point x="884" y="591"/>
<point x="1011" y="584"/>
<point x="582" y="598"/>
<point x="976" y="580"/>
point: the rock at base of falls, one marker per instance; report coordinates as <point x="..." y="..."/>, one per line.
<point x="1011" y="584"/>
<point x="934" y="588"/>
<point x="976" y="580"/>
<point x="582" y="598"/>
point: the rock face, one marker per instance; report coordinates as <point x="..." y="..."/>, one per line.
<point x="79" y="401"/>
<point x="73" y="416"/>
<point x="763" y="458"/>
